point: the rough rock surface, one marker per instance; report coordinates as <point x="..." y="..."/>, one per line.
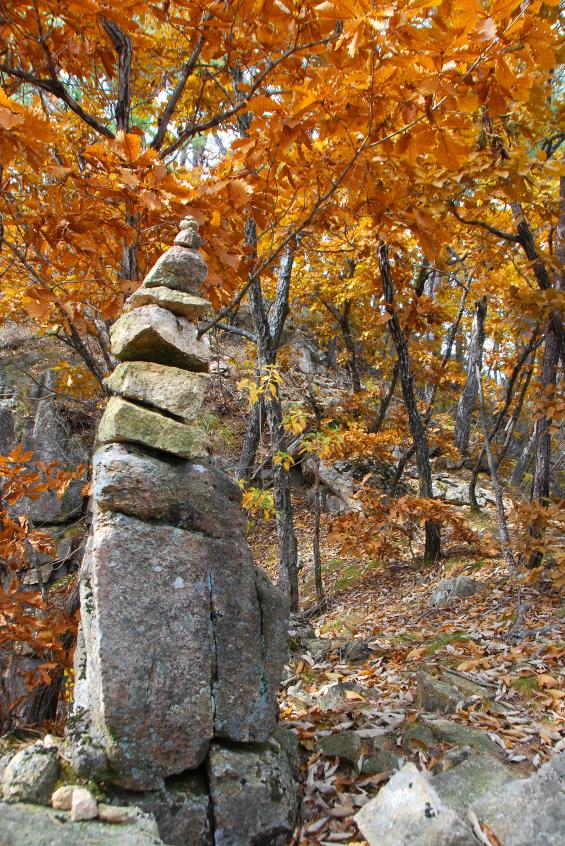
<point x="528" y="811"/>
<point x="179" y="268"/>
<point x="156" y="709"/>
<point x="154" y="334"/>
<point x="408" y="812"/>
<point x="31" y="775"/>
<point x="182" y="639"/>
<point x="30" y="825"/>
<point x="253" y="795"/>
<point x="186" y="305"/>
<point x="125" y="422"/>
<point x="132" y="481"/>
<point x="477" y="775"/>
<point x="83" y="805"/>
<point x="168" y="388"/>
<point x="450" y="589"/>
<point x="444" y="731"/>
<point x="182" y="809"/>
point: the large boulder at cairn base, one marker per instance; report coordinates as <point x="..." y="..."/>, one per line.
<point x="154" y="334"/>
<point x="186" y="305"/>
<point x="148" y="640"/>
<point x="167" y="388"/>
<point x="179" y="268"/>
<point x="184" y="641"/>
<point x="126" y="422"/>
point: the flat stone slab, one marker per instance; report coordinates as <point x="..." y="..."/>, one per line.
<point x="186" y="305"/>
<point x="184" y="641"/>
<point x="129" y="479"/>
<point x="125" y="422"/>
<point x="154" y="334"/>
<point x="32" y="825"/>
<point x="180" y="268"/>
<point x="170" y="389"/>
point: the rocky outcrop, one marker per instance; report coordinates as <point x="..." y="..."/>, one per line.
<point x="183" y="639"/>
<point x="32" y="825"/>
<point x="479" y="794"/>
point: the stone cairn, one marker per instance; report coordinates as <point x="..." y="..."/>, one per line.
<point x="183" y="639"/>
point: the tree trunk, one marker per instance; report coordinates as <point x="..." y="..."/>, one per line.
<point x="552" y="351"/>
<point x="468" y="397"/>
<point x="432" y="551"/>
<point x="502" y="524"/>
<point x="522" y="359"/>
<point x="268" y="331"/>
<point x="251" y="440"/>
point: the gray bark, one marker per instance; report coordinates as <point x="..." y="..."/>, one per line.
<point x="432" y="551"/>
<point x="468" y="396"/>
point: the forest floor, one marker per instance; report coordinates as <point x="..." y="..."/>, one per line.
<point x="380" y="632"/>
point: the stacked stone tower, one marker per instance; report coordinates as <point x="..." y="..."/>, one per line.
<point x="183" y="638"/>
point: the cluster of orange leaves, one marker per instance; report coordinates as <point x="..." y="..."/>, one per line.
<point x="29" y="623"/>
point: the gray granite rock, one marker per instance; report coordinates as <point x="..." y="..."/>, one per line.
<point x="528" y="811"/>
<point x="146" y="592"/>
<point x="445" y="731"/>
<point x="126" y="422"/>
<point x="254" y="795"/>
<point x="450" y="590"/>
<point x="192" y="495"/>
<point x="468" y="781"/>
<point x="433" y="694"/>
<point x="31" y="825"/>
<point x="381" y="761"/>
<point x="182" y="809"/>
<point x="408" y="812"/>
<point x="146" y="589"/>
<point x="179" y="268"/>
<point x="31" y="775"/>
<point x="170" y="389"/>
<point x="345" y="745"/>
<point x="154" y="334"/>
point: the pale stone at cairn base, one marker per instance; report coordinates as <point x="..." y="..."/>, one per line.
<point x="169" y="388"/>
<point x="123" y="422"/>
<point x="154" y="334"/>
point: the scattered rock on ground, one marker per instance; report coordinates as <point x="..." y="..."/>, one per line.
<point x="528" y="811"/>
<point x="463" y="784"/>
<point x="408" y="812"/>
<point x="445" y="731"/>
<point x="31" y="775"/>
<point x="449" y="590"/>
<point x="345" y="745"/>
